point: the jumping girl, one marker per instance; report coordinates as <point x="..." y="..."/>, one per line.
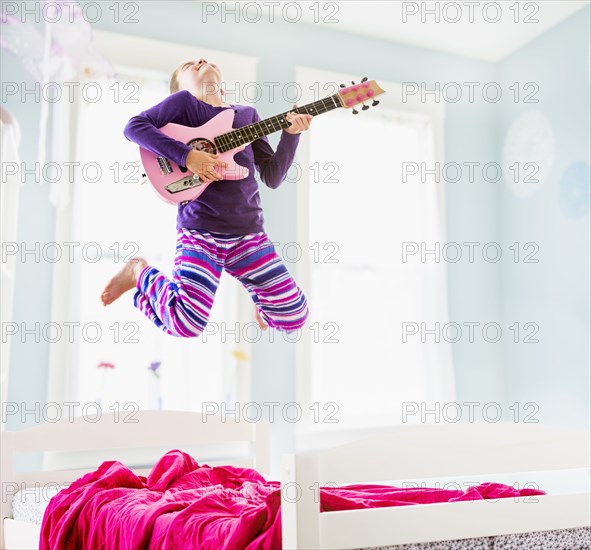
<point x="220" y="229"/>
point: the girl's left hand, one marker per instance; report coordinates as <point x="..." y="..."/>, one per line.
<point x="299" y="123"/>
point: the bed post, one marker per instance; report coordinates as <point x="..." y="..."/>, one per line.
<point x="262" y="462"/>
<point x="300" y="502"/>
<point x="6" y="474"/>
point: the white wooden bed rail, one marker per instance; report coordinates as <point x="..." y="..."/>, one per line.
<point x="428" y="451"/>
<point x="146" y="429"/>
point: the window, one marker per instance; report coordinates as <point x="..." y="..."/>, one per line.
<point x="116" y="218"/>
<point x="356" y="214"/>
<point x="119" y="214"/>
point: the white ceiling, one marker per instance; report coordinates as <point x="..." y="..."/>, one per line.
<point x="478" y="39"/>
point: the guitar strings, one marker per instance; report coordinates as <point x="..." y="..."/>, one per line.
<point x="247" y="134"/>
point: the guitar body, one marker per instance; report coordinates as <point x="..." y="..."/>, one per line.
<point x="176" y="184"/>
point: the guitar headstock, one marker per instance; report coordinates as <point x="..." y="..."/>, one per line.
<point x="358" y="93"/>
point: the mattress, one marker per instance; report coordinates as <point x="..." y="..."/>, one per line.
<point x="29" y="504"/>
<point x="560" y="539"/>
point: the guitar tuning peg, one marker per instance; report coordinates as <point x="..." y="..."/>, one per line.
<point x="365" y="107"/>
<point x="355" y="112"/>
<point x="375" y="102"/>
<point x="364" y="79"/>
<point x="342" y="85"/>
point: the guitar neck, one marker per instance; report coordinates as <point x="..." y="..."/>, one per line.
<point x="248" y="134"/>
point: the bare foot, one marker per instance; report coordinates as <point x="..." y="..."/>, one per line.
<point x="259" y="319"/>
<point x="124" y="280"/>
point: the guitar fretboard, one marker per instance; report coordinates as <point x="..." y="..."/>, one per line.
<point x="248" y="134"/>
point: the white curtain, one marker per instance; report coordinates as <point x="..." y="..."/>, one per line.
<point x="437" y="360"/>
<point x="367" y="294"/>
<point x="9" y="201"/>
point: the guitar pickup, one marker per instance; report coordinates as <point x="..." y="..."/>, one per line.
<point x="184" y="184"/>
<point x="164" y="165"/>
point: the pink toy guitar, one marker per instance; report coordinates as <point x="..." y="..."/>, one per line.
<point x="177" y="184"/>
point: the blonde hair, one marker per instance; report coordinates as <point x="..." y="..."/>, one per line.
<point x="175" y="85"/>
<point x="174" y="82"/>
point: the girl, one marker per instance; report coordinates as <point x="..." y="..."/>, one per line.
<point x="220" y="229"/>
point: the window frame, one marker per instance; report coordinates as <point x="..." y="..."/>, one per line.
<point x="309" y="79"/>
<point x="130" y="55"/>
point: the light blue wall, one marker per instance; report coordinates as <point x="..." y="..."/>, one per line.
<point x="475" y="212"/>
<point x="554" y="293"/>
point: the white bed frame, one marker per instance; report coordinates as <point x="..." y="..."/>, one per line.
<point x="147" y="429"/>
<point x="404" y="453"/>
<point x="428" y="451"/>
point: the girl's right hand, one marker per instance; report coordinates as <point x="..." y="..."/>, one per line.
<point x="202" y="164"/>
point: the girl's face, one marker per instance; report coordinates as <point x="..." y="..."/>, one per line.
<point x="194" y="75"/>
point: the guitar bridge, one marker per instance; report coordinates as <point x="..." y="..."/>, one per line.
<point x="164" y="165"/>
<point x="184" y="184"/>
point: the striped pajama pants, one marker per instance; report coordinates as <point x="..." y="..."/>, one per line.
<point x="181" y="306"/>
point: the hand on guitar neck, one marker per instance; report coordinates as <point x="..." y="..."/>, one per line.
<point x="203" y="164"/>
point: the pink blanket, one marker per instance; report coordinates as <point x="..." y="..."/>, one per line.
<point x="182" y="504"/>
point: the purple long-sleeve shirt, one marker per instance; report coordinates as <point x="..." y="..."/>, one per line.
<point x="225" y="206"/>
